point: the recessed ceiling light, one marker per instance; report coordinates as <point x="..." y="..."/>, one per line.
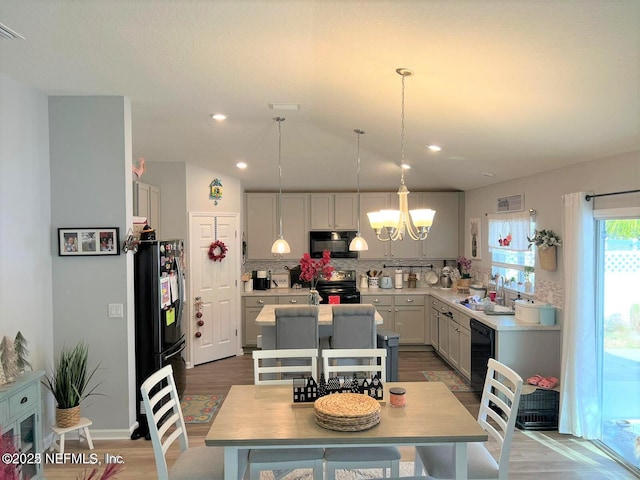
<point x="487" y="174"/>
<point x="284" y="106"/>
<point x="241" y="165"/>
<point x="434" y="148"/>
<point x="405" y="166"/>
<point x="218" y="116"/>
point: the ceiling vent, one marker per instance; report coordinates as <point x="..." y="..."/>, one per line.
<point x="7" y="34"/>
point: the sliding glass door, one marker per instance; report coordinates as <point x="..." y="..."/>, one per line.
<point x="618" y="304"/>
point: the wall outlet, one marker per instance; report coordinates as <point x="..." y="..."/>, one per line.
<point x="550" y="298"/>
<point x="116" y="310"/>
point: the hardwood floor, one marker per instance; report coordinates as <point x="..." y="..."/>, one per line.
<point x="534" y="453"/>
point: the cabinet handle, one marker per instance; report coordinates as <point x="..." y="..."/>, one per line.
<point x="24" y="400"/>
<point x="293" y="301"/>
<point x="409" y="300"/>
<point x="260" y="302"/>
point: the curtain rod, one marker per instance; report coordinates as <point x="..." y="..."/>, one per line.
<point x="532" y="212"/>
<point x="589" y="197"/>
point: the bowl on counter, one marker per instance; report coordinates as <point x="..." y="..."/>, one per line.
<point x="479" y="290"/>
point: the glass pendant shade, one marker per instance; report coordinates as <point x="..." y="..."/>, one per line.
<point x="358" y="244"/>
<point x="280" y="246"/>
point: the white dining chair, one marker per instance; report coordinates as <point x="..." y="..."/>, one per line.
<point x="351" y="458"/>
<point x="283" y="461"/>
<point x="269" y="363"/>
<point x="166" y="425"/>
<point x="499" y="403"/>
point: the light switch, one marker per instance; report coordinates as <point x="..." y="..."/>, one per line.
<point x="116" y="310"/>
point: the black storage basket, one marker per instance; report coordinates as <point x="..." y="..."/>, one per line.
<point x="539" y="410"/>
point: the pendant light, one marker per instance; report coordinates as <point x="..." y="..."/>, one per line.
<point x="358" y="243"/>
<point x="392" y="224"/>
<point x="280" y="246"/>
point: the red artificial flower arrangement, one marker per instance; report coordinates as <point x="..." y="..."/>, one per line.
<point x="311" y="270"/>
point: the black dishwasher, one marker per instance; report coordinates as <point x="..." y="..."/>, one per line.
<point x="482" y="349"/>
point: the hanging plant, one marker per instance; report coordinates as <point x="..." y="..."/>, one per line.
<point x="217" y="251"/>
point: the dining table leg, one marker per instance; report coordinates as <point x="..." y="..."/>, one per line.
<point x="461" y="461"/>
<point x="231" y="464"/>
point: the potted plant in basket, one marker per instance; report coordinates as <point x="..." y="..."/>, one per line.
<point x="69" y="383"/>
<point x="546" y="241"/>
<point x="464" y="264"/>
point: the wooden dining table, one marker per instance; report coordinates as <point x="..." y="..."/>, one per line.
<point x="264" y="416"/>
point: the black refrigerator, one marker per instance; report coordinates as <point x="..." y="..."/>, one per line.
<point x="159" y="303"/>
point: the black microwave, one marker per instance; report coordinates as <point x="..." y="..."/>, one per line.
<point x="336" y="242"/>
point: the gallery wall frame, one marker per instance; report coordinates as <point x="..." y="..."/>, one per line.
<point x="74" y="242"/>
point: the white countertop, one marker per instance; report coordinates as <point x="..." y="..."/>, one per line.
<point x="449" y="295"/>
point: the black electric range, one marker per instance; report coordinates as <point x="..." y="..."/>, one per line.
<point x="342" y="285"/>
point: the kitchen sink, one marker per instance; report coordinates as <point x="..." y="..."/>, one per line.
<point x="500" y="310"/>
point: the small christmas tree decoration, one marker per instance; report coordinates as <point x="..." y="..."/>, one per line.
<point x="8" y="358"/>
<point x="3" y="379"/>
<point x="20" y="346"/>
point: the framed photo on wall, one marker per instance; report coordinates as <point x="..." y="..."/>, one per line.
<point x="474" y="242"/>
<point x="88" y="241"/>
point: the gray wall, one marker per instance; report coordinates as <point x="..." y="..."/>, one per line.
<point x="543" y="192"/>
<point x="91" y="186"/>
<point x="25" y="220"/>
<point x="184" y="188"/>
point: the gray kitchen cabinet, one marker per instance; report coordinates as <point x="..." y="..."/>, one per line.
<point x="21" y="420"/>
<point x="443" y="336"/>
<point x="443" y="238"/>
<point x="465" y="347"/>
<point x="433" y="324"/>
<point x="295" y="224"/>
<point x="384" y="306"/>
<point x="252" y="305"/>
<point x="334" y="211"/>
<point x="146" y="203"/>
<point x="263" y="226"/>
<point x="403" y="314"/>
<point x="410" y="319"/>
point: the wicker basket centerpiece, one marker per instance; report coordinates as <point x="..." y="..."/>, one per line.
<point x="347" y="412"/>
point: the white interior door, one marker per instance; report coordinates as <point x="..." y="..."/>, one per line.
<point x="216" y="283"/>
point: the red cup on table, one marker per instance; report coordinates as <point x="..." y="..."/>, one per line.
<point x="492" y="296"/>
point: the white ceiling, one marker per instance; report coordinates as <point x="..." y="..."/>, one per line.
<point x="508" y="87"/>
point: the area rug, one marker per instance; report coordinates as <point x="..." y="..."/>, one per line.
<point x="452" y="380"/>
<point x="200" y="408"/>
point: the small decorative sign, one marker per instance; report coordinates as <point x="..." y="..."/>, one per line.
<point x="215" y="190"/>
<point x="511" y="203"/>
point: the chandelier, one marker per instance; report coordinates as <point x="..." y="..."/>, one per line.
<point x="393" y="224"/>
<point x="280" y="246"/>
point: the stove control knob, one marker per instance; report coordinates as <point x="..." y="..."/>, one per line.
<point x="198" y="334"/>
<point x="200" y="323"/>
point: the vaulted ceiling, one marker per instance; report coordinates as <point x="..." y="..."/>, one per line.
<point x="508" y="88"/>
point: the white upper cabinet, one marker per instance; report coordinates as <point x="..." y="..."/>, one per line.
<point x="295" y="224"/>
<point x="371" y="202"/>
<point x="334" y="211"/>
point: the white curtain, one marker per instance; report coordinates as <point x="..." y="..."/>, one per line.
<point x="580" y="393"/>
<point x="515" y="225"/>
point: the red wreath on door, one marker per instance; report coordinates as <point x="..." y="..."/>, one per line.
<point x="217" y="251"/>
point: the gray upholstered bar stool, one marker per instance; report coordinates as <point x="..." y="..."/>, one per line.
<point x="296" y="327"/>
<point x="353" y="326"/>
